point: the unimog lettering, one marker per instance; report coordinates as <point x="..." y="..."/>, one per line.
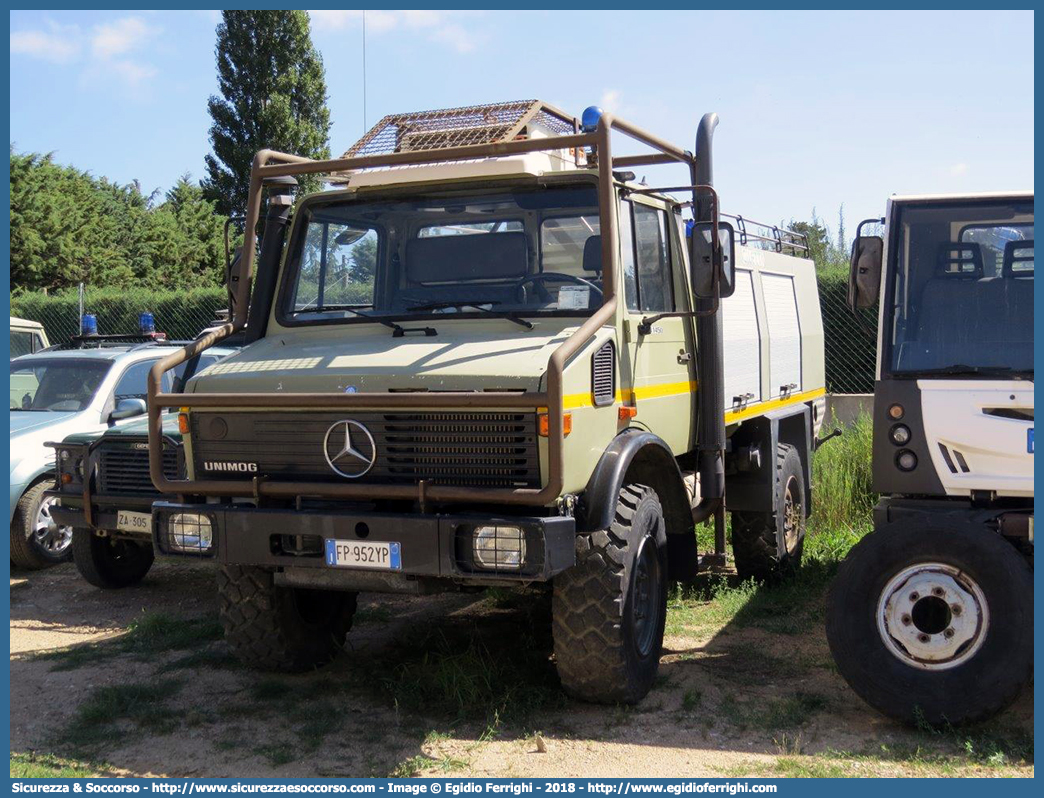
<point x="230" y="467"/>
<point x="540" y="349"/>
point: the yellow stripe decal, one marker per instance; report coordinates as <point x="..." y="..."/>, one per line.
<point x="772" y="404"/>
<point x="578" y="400"/>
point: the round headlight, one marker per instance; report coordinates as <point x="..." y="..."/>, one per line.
<point x="896" y="411"/>
<point x="906" y="460"/>
<point x="900" y="434"/>
<point x="499" y="547"/>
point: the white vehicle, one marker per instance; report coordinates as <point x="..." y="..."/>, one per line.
<point x="27" y="337"/>
<point x="931" y="616"/>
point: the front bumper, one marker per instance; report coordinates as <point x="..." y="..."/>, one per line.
<point x="70" y="510"/>
<point x="432" y="546"/>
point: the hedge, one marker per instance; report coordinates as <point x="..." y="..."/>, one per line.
<point x="180" y="314"/>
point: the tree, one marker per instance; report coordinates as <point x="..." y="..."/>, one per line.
<point x="68" y="227"/>
<point x="273" y="94"/>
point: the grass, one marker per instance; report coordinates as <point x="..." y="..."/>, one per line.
<point x="842" y="491"/>
<point x="375" y="614"/>
<point x="496" y="669"/>
<point x="415" y="765"/>
<point x="31" y="765"/>
<point x="784" y="713"/>
<point x="110" y="713"/>
<point x="151" y="634"/>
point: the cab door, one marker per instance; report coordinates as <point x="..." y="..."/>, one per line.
<point x="660" y="380"/>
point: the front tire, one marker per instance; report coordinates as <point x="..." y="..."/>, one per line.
<point x="768" y="545"/>
<point x="277" y="628"/>
<point x="110" y="563"/>
<point x="608" y="610"/>
<point x="931" y="619"/>
<point x="36" y="540"/>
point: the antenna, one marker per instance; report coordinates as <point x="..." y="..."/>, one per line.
<point x="364" y="69"/>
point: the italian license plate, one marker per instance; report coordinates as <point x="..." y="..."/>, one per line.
<point x="127" y="521"/>
<point x="362" y="554"/>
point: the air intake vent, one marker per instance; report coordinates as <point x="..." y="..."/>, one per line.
<point x="603" y="375"/>
<point x="961" y="462"/>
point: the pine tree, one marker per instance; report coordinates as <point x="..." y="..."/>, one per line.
<point x="273" y="94"/>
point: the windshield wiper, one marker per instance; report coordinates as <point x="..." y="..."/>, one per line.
<point x="478" y="305"/>
<point x="398" y="330"/>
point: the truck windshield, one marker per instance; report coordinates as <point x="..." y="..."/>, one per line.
<point x="961" y="289"/>
<point x="529" y="252"/>
<point x="56" y="384"/>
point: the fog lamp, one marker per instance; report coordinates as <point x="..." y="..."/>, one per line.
<point x="497" y="547"/>
<point x="190" y="532"/>
<point x="900" y="434"/>
<point x="906" y="460"/>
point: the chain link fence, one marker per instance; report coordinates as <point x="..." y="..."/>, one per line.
<point x="182" y="315"/>
<point x="850" y="341"/>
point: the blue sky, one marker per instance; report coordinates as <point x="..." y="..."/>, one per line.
<point x="817" y="109"/>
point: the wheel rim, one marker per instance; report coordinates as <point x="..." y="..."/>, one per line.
<point x="47" y="533"/>
<point x="933" y="616"/>
<point x="645" y="589"/>
<point x="793" y="515"/>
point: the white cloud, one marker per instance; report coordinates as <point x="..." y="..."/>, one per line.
<point x="131" y="72"/>
<point x="120" y="37"/>
<point x="958" y="169"/>
<point x="108" y="51"/>
<point x="441" y="27"/>
<point x="59" y="44"/>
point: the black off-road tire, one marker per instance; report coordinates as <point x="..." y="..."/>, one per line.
<point x="26" y="553"/>
<point x="110" y="563"/>
<point x="608" y="610"/>
<point x="276" y="628"/>
<point x="767" y="546"/>
<point x="969" y="691"/>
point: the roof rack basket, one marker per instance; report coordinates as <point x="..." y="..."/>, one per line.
<point x="458" y="127"/>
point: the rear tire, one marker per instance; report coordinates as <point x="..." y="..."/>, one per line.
<point x="769" y="545"/>
<point x="896" y="633"/>
<point x="281" y="628"/>
<point x="110" y="563"/>
<point x="36" y="541"/>
<point x="608" y="610"/>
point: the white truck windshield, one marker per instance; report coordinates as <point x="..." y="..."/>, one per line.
<point x="961" y="289"/>
<point x="515" y="253"/>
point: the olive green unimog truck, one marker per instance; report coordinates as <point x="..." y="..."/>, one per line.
<point x="488" y="355"/>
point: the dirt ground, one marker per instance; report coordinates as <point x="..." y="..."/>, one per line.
<point x="139" y="682"/>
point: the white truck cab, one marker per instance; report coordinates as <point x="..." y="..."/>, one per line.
<point x="931" y="615"/>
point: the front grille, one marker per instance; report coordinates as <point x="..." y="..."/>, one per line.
<point x="452" y="448"/>
<point x="123" y="469"/>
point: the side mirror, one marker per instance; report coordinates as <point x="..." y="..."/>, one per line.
<point x="128" y="408"/>
<point x="864" y="279"/>
<point x="712" y="260"/>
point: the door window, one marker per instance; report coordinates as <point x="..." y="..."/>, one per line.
<point x="646" y="259"/>
<point x="21" y="343"/>
<point x="133" y="383"/>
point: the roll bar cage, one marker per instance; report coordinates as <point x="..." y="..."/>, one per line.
<point x="270" y="164"/>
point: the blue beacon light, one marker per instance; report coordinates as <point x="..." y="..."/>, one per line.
<point x="589" y="118"/>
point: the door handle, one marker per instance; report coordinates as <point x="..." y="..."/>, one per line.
<point x="684" y="357"/>
<point x="784" y="390"/>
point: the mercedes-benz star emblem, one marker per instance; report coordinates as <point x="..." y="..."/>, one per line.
<point x="349" y="456"/>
